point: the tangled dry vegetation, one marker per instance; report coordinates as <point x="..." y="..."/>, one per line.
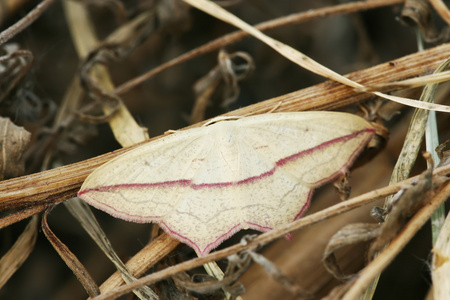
<point x="83" y="78"/>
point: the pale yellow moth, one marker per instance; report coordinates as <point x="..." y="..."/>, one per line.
<point x="204" y="184"/>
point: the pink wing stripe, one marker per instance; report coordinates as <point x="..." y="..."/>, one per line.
<point x="279" y="163"/>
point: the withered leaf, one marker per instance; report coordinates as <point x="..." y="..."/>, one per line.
<point x="13" y="143"/>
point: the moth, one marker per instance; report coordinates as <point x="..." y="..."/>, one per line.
<point x="204" y="184"/>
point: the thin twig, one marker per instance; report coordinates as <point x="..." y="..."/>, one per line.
<point x="23" y="23"/>
<point x="441" y="9"/>
<point x="385" y="257"/>
<point x="234" y="37"/>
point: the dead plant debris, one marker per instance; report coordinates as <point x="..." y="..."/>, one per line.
<point x="80" y="79"/>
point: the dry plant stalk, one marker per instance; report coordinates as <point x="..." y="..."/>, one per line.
<point x="10" y="262"/>
<point x="384" y="258"/>
<point x="441" y="263"/>
<point x="33" y="193"/>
